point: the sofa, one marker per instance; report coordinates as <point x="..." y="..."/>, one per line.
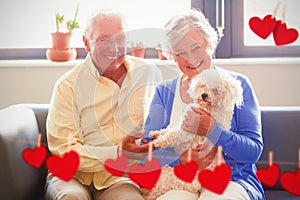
<point x="20" y="125"/>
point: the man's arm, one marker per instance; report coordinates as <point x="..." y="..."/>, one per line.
<point x="63" y="120"/>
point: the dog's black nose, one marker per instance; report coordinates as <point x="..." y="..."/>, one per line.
<point x="204" y="96"/>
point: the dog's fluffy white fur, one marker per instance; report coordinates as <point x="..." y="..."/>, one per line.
<point x="215" y="91"/>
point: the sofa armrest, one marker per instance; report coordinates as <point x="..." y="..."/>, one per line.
<point x="19" y="130"/>
<point x="41" y="112"/>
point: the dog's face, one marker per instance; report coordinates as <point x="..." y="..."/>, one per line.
<point x="202" y="96"/>
<point x="216" y="90"/>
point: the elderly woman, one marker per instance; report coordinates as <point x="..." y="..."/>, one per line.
<point x="191" y="43"/>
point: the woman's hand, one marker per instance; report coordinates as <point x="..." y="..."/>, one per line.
<point x="202" y="158"/>
<point x="198" y="121"/>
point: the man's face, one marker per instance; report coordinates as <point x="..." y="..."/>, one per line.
<point x="107" y="44"/>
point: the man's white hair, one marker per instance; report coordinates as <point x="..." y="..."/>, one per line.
<point x="103" y="13"/>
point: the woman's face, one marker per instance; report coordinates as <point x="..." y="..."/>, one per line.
<point x="192" y="53"/>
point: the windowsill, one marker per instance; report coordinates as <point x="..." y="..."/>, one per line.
<point x="259" y="61"/>
<point x="221" y="62"/>
<point x="38" y="63"/>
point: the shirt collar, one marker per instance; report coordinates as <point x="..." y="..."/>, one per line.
<point x="95" y="72"/>
<point x="92" y="67"/>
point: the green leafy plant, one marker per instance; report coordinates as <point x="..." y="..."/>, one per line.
<point x="71" y="24"/>
<point x="58" y="21"/>
<point x="160" y="52"/>
<point x="158" y="46"/>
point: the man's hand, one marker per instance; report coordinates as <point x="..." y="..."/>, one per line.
<point x="198" y="121"/>
<point x="132" y="150"/>
<point x="202" y="158"/>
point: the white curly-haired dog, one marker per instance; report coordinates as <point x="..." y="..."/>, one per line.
<point x="215" y="91"/>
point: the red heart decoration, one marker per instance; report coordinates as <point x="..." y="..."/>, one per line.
<point x="186" y="172"/>
<point x="65" y="167"/>
<point x="116" y="167"/>
<point x="269" y="175"/>
<point x="263" y="28"/>
<point x="145" y="176"/>
<point x="217" y="180"/>
<point x="35" y="157"/>
<point x="291" y="182"/>
<point x="282" y="35"/>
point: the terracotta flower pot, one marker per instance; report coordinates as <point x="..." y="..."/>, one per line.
<point x="61" y="50"/>
<point x="138" y="52"/>
<point x="61" y="40"/>
<point x="159" y="54"/>
<point x="61" y="55"/>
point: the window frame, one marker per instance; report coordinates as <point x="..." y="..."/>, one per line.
<point x="227" y="48"/>
<point x="235" y="48"/>
<point x="209" y="9"/>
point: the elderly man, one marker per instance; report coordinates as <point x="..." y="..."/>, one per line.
<point x="101" y="103"/>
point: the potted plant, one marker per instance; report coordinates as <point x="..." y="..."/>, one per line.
<point x="61" y="50"/>
<point x="137" y="49"/>
<point x="159" y="52"/>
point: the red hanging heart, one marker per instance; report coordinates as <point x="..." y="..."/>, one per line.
<point x="263" y="28"/>
<point x="65" y="167"/>
<point x="269" y="175"/>
<point x="145" y="176"/>
<point x="186" y="172"/>
<point x="35" y="157"/>
<point x="116" y="167"/>
<point x="291" y="182"/>
<point x="282" y="35"/>
<point x="217" y="180"/>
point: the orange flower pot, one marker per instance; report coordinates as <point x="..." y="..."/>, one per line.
<point x="138" y="52"/>
<point x="159" y="54"/>
<point x="61" y="55"/>
<point x="61" y="50"/>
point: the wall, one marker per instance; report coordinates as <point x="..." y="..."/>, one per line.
<point x="275" y="81"/>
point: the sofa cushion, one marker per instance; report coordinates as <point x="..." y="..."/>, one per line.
<point x="281" y="134"/>
<point x="18" y="131"/>
<point x="279" y="195"/>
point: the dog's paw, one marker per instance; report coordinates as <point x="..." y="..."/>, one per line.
<point x="157" y="139"/>
<point x="159" y="143"/>
<point x="156" y="143"/>
<point x="154" y="136"/>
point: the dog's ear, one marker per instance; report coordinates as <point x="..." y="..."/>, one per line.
<point x="195" y="87"/>
<point x="236" y="91"/>
<point x="190" y="92"/>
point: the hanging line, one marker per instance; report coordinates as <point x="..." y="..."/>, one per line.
<point x="276" y="8"/>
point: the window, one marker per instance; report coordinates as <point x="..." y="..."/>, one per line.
<point x="246" y="43"/>
<point x="286" y="10"/>
<point x="235" y="42"/>
<point x="26" y="25"/>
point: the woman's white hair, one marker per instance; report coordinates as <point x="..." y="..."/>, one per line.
<point x="179" y="25"/>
